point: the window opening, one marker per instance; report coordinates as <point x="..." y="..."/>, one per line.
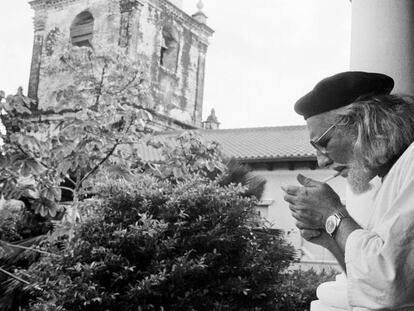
<point x="81" y="31"/>
<point x="169" y="48"/>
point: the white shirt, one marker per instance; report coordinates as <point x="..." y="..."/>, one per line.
<point x="380" y="259"/>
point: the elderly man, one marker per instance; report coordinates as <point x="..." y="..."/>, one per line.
<point x="361" y="131"/>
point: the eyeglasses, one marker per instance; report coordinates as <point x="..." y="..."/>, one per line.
<point x="316" y="142"/>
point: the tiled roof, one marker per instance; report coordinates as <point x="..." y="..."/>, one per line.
<point x="251" y="144"/>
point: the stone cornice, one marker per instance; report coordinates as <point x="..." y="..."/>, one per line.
<point x="183" y="17"/>
<point x="44" y="4"/>
<point x="162" y="4"/>
<point x="129" y="5"/>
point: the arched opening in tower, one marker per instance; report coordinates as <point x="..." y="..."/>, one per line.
<point x="81" y="31"/>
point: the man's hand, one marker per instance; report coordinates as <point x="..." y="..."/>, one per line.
<point x="312" y="203"/>
<point x="319" y="237"/>
<point x="309" y="234"/>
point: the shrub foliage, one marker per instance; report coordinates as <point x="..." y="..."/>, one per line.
<point x="154" y="245"/>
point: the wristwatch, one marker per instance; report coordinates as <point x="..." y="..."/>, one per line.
<point x="333" y="221"/>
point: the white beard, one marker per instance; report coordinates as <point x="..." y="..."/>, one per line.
<point x="359" y="178"/>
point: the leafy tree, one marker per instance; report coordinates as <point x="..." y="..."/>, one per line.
<point x="188" y="153"/>
<point x="91" y="118"/>
<point x="52" y="151"/>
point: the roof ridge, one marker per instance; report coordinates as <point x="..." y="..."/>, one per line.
<point x="258" y="143"/>
<point x="240" y="129"/>
<point x="280" y="127"/>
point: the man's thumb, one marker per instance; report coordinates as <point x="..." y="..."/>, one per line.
<point x="306" y="181"/>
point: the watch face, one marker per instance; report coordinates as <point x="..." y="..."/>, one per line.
<point x="330" y="225"/>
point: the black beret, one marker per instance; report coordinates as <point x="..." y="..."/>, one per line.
<point x="342" y="89"/>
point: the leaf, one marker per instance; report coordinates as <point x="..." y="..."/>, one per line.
<point x="4" y="249"/>
<point x="45" y="207"/>
<point x="37" y="204"/>
<point x="62" y="151"/>
<point x="26" y="181"/>
<point x="83" y="143"/>
<point x="20" y="108"/>
<point x="30" y="166"/>
<point x="210" y="165"/>
<point x="2" y="202"/>
<point x="145" y="115"/>
<point x="65" y="166"/>
<point x="30" y="142"/>
<point x="141" y="123"/>
<point x="51" y="193"/>
<point x="52" y="209"/>
<point x="118" y="171"/>
<point x="178" y="172"/>
<point x="33" y="194"/>
<point x="43" y="211"/>
<point x="154" y="143"/>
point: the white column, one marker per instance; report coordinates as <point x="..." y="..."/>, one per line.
<point x="382" y="40"/>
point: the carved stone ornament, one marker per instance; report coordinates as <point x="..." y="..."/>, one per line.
<point x="39" y="23"/>
<point x="202" y="47"/>
<point x="128" y="5"/>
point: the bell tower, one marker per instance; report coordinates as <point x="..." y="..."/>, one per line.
<point x="173" y="43"/>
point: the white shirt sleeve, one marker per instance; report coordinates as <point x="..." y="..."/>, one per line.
<point x="380" y="261"/>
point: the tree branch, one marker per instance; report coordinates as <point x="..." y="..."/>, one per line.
<point x="65" y="61"/>
<point x="29" y="249"/>
<point x="98" y="96"/>
<point x="30" y="156"/>
<point x="66" y="188"/>
<point x="128" y="84"/>
<point x="14" y="276"/>
<point x="71" y="180"/>
<point x="98" y="165"/>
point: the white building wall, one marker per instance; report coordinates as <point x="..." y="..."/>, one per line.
<point x="278" y="213"/>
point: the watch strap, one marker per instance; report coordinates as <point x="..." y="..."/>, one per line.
<point x="339" y="216"/>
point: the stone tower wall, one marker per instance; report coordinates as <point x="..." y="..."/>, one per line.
<point x="138" y="25"/>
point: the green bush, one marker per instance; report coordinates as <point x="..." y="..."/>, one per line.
<point x="154" y="245"/>
<point x="299" y="288"/>
<point x="9" y="222"/>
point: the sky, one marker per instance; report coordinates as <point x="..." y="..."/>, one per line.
<point x="263" y="56"/>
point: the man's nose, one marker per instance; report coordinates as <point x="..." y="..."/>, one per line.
<point x="323" y="160"/>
